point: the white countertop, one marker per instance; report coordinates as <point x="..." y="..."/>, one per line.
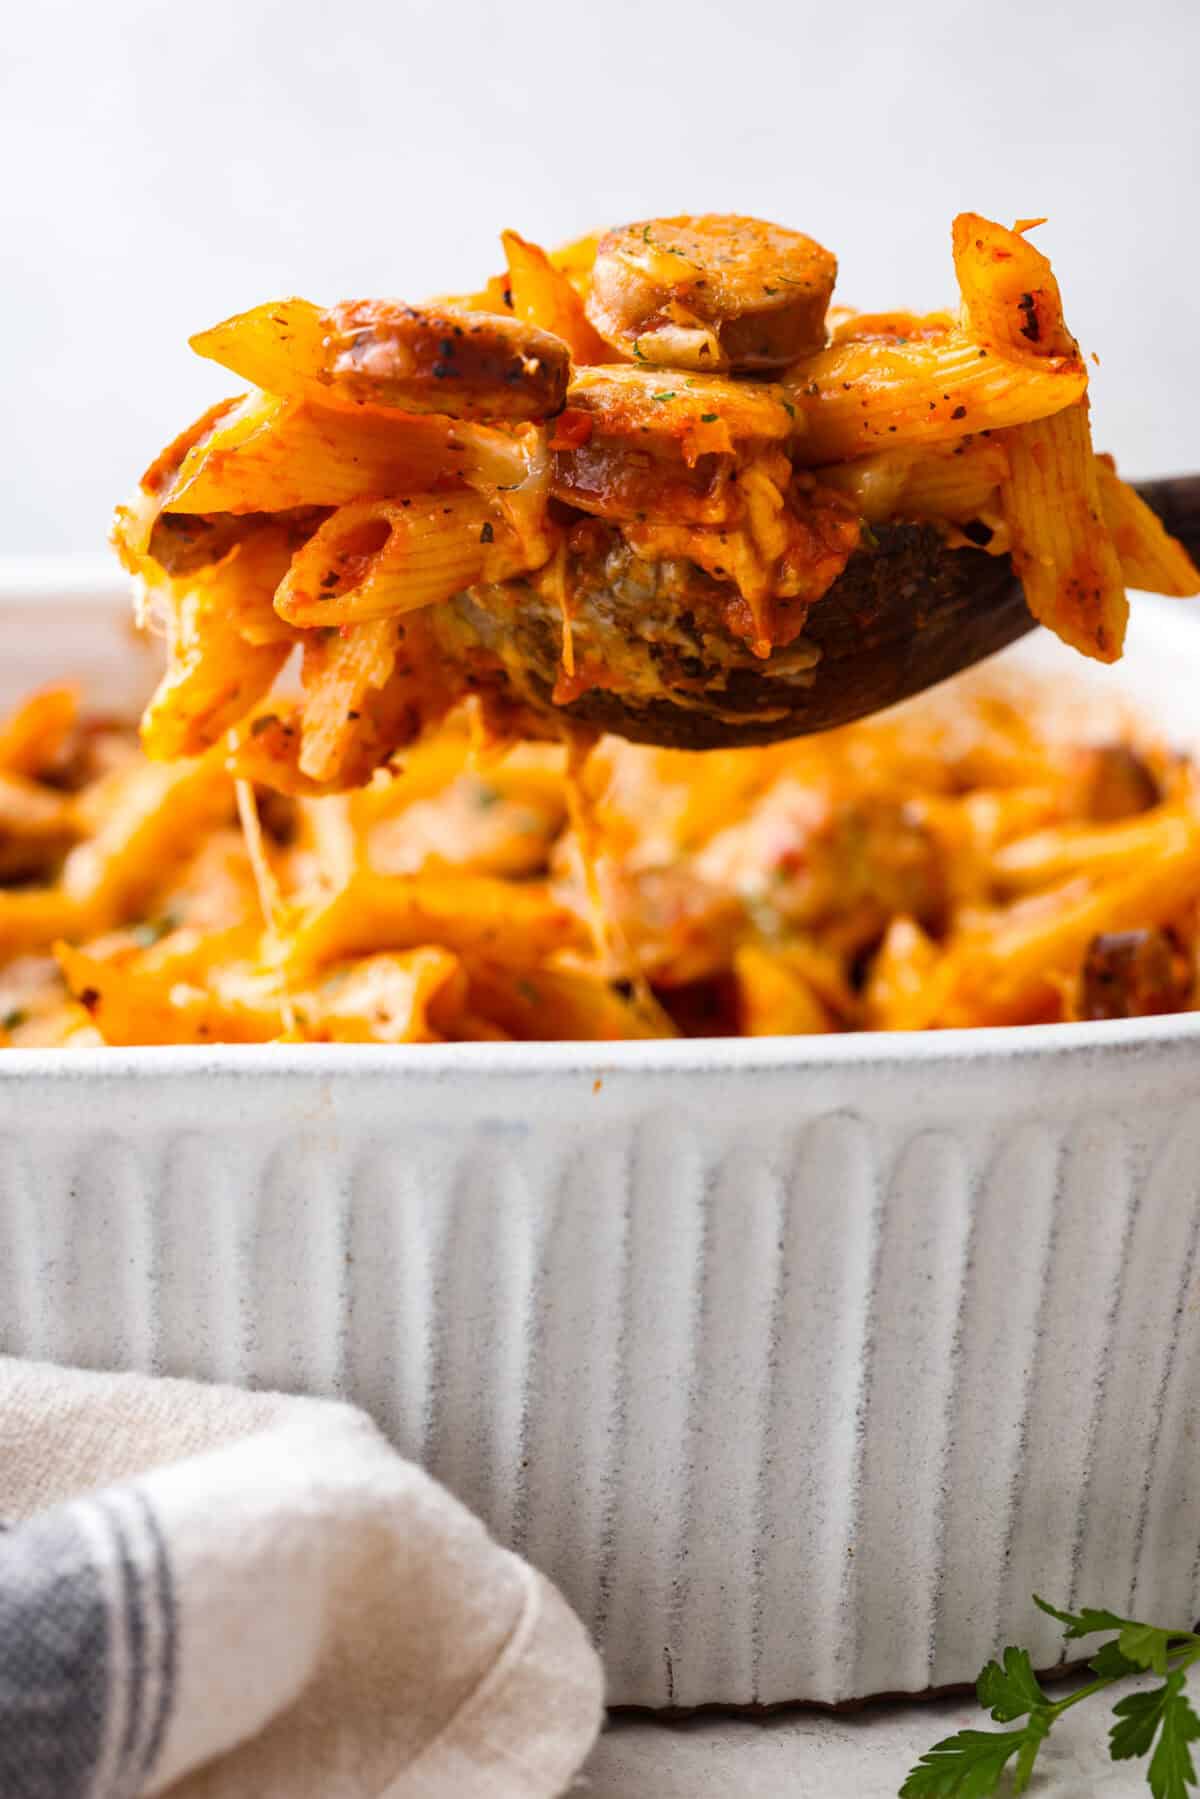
<point x="861" y="1755"/>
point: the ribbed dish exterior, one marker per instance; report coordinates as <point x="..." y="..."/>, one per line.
<point x="799" y="1368"/>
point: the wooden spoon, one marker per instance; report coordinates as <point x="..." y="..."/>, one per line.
<point x="902" y="617"/>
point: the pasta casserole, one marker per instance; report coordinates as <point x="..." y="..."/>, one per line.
<point x="973" y="858"/>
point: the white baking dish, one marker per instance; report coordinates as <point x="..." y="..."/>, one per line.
<point x="798" y="1365"/>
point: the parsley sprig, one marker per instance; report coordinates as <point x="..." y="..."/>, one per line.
<point x="972" y="1763"/>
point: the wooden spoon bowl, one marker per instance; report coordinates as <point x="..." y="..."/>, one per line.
<point x="903" y="616"/>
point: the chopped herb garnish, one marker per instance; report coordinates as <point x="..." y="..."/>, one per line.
<point x="263" y="723"/>
<point x="667" y="394"/>
<point x="12" y="1019"/>
<point x="789" y="409"/>
<point x="972" y="1763"/>
<point x="487" y="535"/>
<point x="528" y="991"/>
<point x="487" y="796"/>
<point x="709" y="418"/>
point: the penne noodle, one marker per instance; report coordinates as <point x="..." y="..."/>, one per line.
<point x="1010" y="297"/>
<point x="32" y="917"/>
<point x="775" y="997"/>
<point x="225" y="646"/>
<point x="1013" y="972"/>
<point x="873" y="394"/>
<point x="147" y="820"/>
<point x="951" y="481"/>
<point x="543" y="295"/>
<point x="34" y="734"/>
<point x="1060" y="851"/>
<point x="340" y="670"/>
<point x="379" y="558"/>
<point x="129" y="1007"/>
<point x="514" y="926"/>
<point x="902" y="988"/>
<point x="271" y="454"/>
<point x="1151" y="559"/>
<point x="279" y="347"/>
<point x="546" y="1005"/>
<point x="1060" y="544"/>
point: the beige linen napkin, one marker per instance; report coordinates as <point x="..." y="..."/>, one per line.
<point x="225" y="1595"/>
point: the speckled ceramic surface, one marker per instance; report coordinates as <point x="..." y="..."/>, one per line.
<point x="797" y="1364"/>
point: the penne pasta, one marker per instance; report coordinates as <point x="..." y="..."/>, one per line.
<point x="1010" y="297"/>
<point x="146" y="821"/>
<point x="1060" y="544"/>
<point x="955" y="481"/>
<point x="902" y="992"/>
<point x="271" y="454"/>
<point x="877" y="393"/>
<point x="775" y="997"/>
<point x="1015" y="971"/>
<point x="341" y="669"/>
<point x="543" y="295"/>
<point x="379" y="558"/>
<point x="548" y="1005"/>
<point x="1150" y="558"/>
<point x="225" y="646"/>
<point x="35" y="733"/>
<point x="513" y="926"/>
<point x="127" y="1006"/>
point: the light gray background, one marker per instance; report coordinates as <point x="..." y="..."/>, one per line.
<point x="166" y="164"/>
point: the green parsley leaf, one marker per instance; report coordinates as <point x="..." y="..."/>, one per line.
<point x="667" y="394"/>
<point x="1167" y="1712"/>
<point x="12" y="1019"/>
<point x="1110" y="1664"/>
<point x="1140" y="1645"/>
<point x="1084" y="1623"/>
<point x="1145" y="1646"/>
<point x="1138" y="1717"/>
<point x="709" y="418"/>
<point x="965" y="1766"/>
<point x="1171" y="1771"/>
<point x="1009" y="1688"/>
<point x="973" y="1763"/>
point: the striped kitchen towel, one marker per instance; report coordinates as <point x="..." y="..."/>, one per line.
<point x="227" y="1595"/>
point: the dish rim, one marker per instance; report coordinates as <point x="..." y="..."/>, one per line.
<point x="95" y="578"/>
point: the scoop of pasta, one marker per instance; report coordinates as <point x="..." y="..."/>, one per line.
<point x="650" y="484"/>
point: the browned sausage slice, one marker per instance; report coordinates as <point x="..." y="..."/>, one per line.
<point x="712" y="292"/>
<point x="1134" y="974"/>
<point x="475" y="365"/>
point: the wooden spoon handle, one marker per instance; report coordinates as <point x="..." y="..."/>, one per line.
<point x="1176" y="499"/>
